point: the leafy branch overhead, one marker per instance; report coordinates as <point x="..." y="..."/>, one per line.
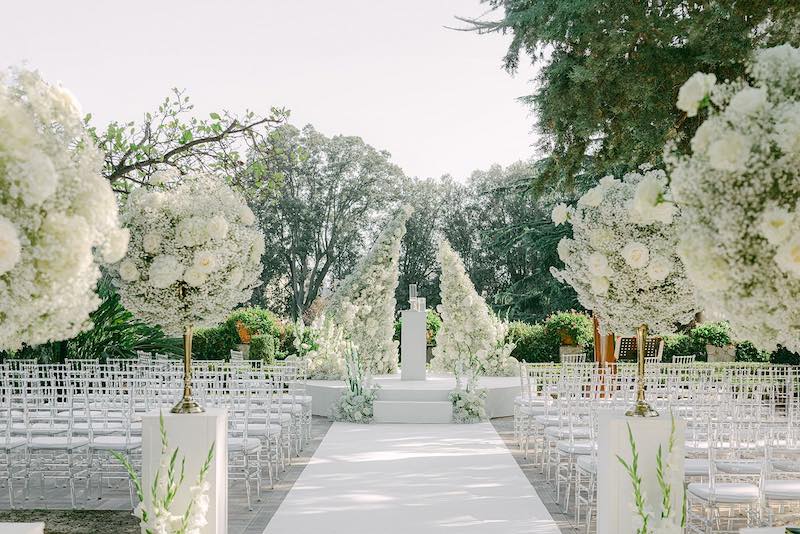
<point x="174" y="137"/>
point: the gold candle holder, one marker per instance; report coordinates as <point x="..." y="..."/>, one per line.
<point x="187" y="404"/>
<point x="641" y="408"/>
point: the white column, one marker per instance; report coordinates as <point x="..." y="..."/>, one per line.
<point x="615" y="502"/>
<point x="412" y="345"/>
<point x="193" y="434"/>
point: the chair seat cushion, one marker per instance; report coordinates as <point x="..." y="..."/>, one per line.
<point x="305" y="400"/>
<point x="57" y="442"/>
<point x="39" y="429"/>
<point x="563" y="432"/>
<point x="11" y="443"/>
<point x="262" y="429"/>
<point x="553" y="420"/>
<point x="587" y="463"/>
<point x="695" y="467"/>
<point x="742" y="467"/>
<point x="782" y="490"/>
<point x="576" y="447"/>
<point x="528" y="409"/>
<point x="788" y="466"/>
<point x="243" y="444"/>
<point x="116" y="443"/>
<point x="725" y="492"/>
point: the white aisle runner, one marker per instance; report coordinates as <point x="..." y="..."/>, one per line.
<point x="412" y="479"/>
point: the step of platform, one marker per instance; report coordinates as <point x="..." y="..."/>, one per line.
<point x="413" y="412"/>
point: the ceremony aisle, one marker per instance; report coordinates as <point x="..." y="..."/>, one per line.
<point x="419" y="479"/>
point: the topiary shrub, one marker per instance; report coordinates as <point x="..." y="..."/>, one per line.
<point x="677" y="345"/>
<point x="212" y="344"/>
<point x="533" y="343"/>
<point x="262" y="347"/>
<point x="572" y="328"/>
<point x="217" y="343"/>
<point x="255" y="320"/>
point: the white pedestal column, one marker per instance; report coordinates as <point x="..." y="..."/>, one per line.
<point x="193" y="434"/>
<point x="412" y="345"/>
<point x="615" y="502"/>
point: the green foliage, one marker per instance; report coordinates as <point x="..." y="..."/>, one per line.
<point x="262" y="347"/>
<point x="639" y="54"/>
<point x="785" y="357"/>
<point x="533" y="344"/>
<point x="571" y="328"/>
<point x="677" y="345"/>
<point x="717" y="334"/>
<point x="216" y="343"/>
<point x="174" y="137"/>
<point x="747" y="352"/>
<point x="115" y="334"/>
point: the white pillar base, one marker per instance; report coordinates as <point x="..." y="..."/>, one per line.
<point x="615" y="503"/>
<point x="413" y="343"/>
<point x="193" y="434"/>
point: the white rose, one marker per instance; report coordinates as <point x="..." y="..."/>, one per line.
<point x="235" y="277"/>
<point x="599" y="285"/>
<point x="116" y="245"/>
<point x="246" y="215"/>
<point x="164" y="271"/>
<point x="703" y="135"/>
<point x="217" y="227"/>
<point x="788" y="256"/>
<point x="776" y="224"/>
<point x="560" y="214"/>
<point x="787" y="130"/>
<point x="128" y="271"/>
<point x="194" y="276"/>
<point x="151" y="243"/>
<point x="10" y="247"/>
<point x="659" y="268"/>
<point x="205" y="261"/>
<point x="192" y="231"/>
<point x="636" y="255"/>
<point x="41" y="178"/>
<point x="609" y="181"/>
<point x="593" y="197"/>
<point x="564" y="249"/>
<point x="749" y="100"/>
<point x="647" y="205"/>
<point x="706" y="269"/>
<point x="693" y="91"/>
<point x="598" y="264"/>
<point x="730" y="152"/>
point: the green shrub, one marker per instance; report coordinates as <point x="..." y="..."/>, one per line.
<point x="262" y="347"/>
<point x="717" y="334"/>
<point x="216" y="343"/>
<point x="534" y="343"/>
<point x="256" y="320"/>
<point x="212" y="344"/>
<point x="747" y="352"/>
<point x="571" y="327"/>
<point x="784" y="356"/>
<point x="677" y="345"/>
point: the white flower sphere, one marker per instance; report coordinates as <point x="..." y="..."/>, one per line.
<point x="191" y="257"/>
<point x="56" y="212"/>
<point x="739" y="191"/>
<point x="623" y="262"/>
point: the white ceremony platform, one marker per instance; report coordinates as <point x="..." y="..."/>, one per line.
<point x="418" y="401"/>
<point x="418" y="479"/>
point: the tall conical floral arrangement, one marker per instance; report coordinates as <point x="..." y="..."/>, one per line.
<point x="363" y="305"/>
<point x="471" y="339"/>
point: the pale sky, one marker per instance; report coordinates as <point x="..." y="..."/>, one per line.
<point x="387" y="71"/>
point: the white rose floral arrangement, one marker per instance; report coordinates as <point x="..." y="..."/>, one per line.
<point x="739" y="191"/>
<point x="58" y="214"/>
<point x="622" y="259"/>
<point x="471" y="339"/>
<point x="195" y="253"/>
<point x="363" y="305"/>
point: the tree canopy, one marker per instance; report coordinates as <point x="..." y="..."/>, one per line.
<point x="609" y="72"/>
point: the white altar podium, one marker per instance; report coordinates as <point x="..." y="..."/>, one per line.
<point x="615" y="513"/>
<point x="413" y="342"/>
<point x="193" y="434"/>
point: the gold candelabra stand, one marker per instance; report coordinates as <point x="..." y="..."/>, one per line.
<point x="641" y="408"/>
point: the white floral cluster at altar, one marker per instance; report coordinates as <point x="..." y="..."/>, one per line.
<point x="326" y="357"/>
<point x="739" y="191"/>
<point x="471" y="339"/>
<point x="195" y="253"/>
<point x="363" y="305"/>
<point x="622" y="259"/>
<point x="56" y="209"/>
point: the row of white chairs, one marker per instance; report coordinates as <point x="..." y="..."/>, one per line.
<point x="742" y="465"/>
<point x="65" y="422"/>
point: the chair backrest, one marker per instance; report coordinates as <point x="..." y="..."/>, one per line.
<point x="237" y="356"/>
<point x="573" y="358"/>
<point x="684" y="359"/>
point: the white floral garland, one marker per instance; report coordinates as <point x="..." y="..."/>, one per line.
<point x="739" y="191"/>
<point x="55" y="209"/>
<point x="471" y="338"/>
<point x="195" y="253"/>
<point x="363" y="305"/>
<point x="622" y="260"/>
